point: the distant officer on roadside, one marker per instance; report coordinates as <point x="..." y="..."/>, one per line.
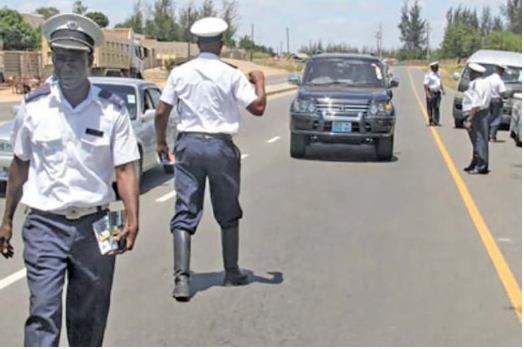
<point x="434" y="91"/>
<point x="207" y="93"/>
<point x="69" y="139"/>
<point x="498" y="88"/>
<point x="475" y="106"/>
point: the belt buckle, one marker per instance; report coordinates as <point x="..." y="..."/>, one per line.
<point x="73" y="213"/>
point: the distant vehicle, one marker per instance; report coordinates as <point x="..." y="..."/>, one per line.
<point x="121" y="55"/>
<point x="515" y="128"/>
<point x="141" y="97"/>
<point x="488" y="59"/>
<point x="343" y="98"/>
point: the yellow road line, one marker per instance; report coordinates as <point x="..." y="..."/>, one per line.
<point x="506" y="276"/>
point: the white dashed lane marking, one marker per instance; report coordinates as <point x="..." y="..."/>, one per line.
<point x="166" y="197"/>
<point x="273" y="140"/>
<point x="11" y="279"/>
<point x="245" y="156"/>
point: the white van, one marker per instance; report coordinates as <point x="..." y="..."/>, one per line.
<point x="488" y="59"/>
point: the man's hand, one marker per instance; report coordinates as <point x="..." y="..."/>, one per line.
<point x="428" y="96"/>
<point x="468" y="125"/>
<point x="6" y="232"/>
<point x="128" y="235"/>
<point x="256" y="76"/>
<point x="162" y="148"/>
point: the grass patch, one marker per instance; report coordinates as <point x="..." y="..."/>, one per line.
<point x="287" y="65"/>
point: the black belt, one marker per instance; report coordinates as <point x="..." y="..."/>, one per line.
<point x="204" y="135"/>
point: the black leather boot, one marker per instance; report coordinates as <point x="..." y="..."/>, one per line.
<point x="182" y="249"/>
<point x="234" y="277"/>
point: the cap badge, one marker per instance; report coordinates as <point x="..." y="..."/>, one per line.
<point x="72" y="25"/>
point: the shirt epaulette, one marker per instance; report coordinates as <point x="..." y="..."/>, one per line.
<point x="112" y="97"/>
<point x="231" y="65"/>
<point x="41" y="91"/>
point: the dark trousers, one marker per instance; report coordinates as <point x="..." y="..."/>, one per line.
<point x="433" y="106"/>
<point x="495" y="109"/>
<point x="479" y="140"/>
<point x="53" y="249"/>
<point x="199" y="158"/>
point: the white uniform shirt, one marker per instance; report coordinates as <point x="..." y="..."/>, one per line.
<point x="477" y="95"/>
<point x="497" y="85"/>
<point x="433" y="81"/>
<point x="207" y="93"/>
<point x="72" y="152"/>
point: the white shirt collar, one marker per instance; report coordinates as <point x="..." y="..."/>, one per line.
<point x="57" y="93"/>
<point x="208" y="55"/>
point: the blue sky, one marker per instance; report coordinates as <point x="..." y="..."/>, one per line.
<point x="351" y="21"/>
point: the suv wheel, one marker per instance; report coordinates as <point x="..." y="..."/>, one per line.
<point x="298" y="145"/>
<point x="384" y="148"/>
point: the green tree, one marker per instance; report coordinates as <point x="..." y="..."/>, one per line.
<point x="505" y="41"/>
<point x="498" y="26"/>
<point x="136" y="20"/>
<point x="486" y="24"/>
<point x="15" y="33"/>
<point x="162" y="24"/>
<point x="512" y="11"/>
<point x="79" y="8"/>
<point x="460" y="40"/>
<point x="412" y="29"/>
<point x="187" y="16"/>
<point x="208" y="9"/>
<point x="99" y="18"/>
<point x="229" y="13"/>
<point x="246" y="43"/>
<point x="47" y="12"/>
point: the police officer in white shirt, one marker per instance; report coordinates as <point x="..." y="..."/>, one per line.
<point x="207" y="93"/>
<point x="69" y="139"/>
<point x="498" y="88"/>
<point x="475" y="106"/>
<point x="434" y="91"/>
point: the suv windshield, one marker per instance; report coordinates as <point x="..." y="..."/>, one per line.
<point x="127" y="93"/>
<point x="345" y="71"/>
<point x="511" y="75"/>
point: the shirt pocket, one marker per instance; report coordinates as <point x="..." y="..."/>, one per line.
<point x="95" y="149"/>
<point x="49" y="149"/>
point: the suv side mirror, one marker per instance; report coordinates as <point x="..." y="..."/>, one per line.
<point x="294" y="79"/>
<point x="15" y="109"/>
<point x="394" y="82"/>
<point x="149" y="115"/>
<point x="456" y="76"/>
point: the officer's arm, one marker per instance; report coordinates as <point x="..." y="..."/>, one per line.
<point x="18" y="173"/>
<point x="258" y="107"/>
<point x="128" y="189"/>
<point x="161" y="120"/>
<point x="426" y="88"/>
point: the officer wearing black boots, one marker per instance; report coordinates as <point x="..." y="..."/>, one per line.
<point x="207" y="93"/>
<point x="475" y="105"/>
<point x="498" y="89"/>
<point x="434" y="90"/>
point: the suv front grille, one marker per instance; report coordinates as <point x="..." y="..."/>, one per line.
<point x="343" y="109"/>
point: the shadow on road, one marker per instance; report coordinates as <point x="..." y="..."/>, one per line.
<point x="344" y="153"/>
<point x="155" y="177"/>
<point x="201" y="282"/>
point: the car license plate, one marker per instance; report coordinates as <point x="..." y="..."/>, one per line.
<point x="342" y="127"/>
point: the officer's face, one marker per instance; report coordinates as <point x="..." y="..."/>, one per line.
<point x="71" y="67"/>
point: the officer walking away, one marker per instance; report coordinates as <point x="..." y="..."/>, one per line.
<point x="207" y="93"/>
<point x="475" y="106"/>
<point x="69" y="139"/>
<point x="498" y="88"/>
<point x="434" y="91"/>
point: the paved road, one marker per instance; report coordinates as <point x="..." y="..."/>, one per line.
<point x="343" y="250"/>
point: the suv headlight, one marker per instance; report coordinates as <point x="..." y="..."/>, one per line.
<point x="304" y="106"/>
<point x="379" y="108"/>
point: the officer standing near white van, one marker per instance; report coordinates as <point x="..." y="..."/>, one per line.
<point x="498" y="88"/>
<point x="475" y="105"/>
<point x="207" y="93"/>
<point x="434" y="91"/>
<point x="70" y="137"/>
